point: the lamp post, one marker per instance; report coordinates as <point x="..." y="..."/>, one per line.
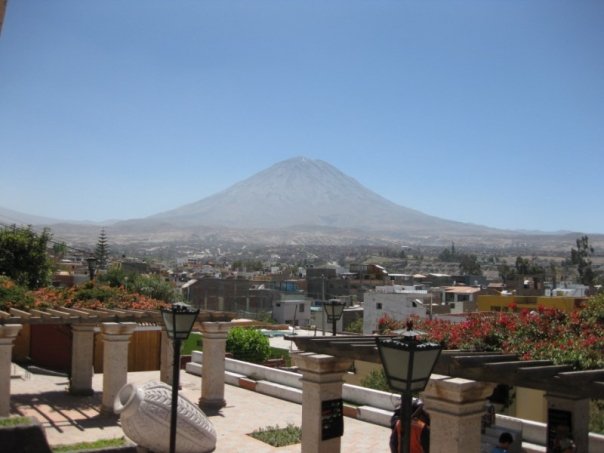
<point x="91" y="267"/>
<point x="334" y="310"/>
<point x="408" y="364"/>
<point x="179" y="320"/>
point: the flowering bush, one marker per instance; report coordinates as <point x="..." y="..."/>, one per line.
<point x="575" y="338"/>
<point x="13" y="293"/>
<point x="89" y="295"/>
<point x="386" y="324"/>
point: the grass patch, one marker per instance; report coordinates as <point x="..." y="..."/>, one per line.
<point x="276" y="353"/>
<point x="279" y="437"/>
<point x="193" y="343"/>
<point x="106" y="443"/>
<point x="14" y="421"/>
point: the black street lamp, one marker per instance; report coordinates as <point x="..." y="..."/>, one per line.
<point x="91" y="267"/>
<point x="408" y="364"/>
<point x="334" y="310"/>
<point x="179" y="320"/>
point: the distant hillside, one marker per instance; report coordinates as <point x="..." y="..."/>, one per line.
<point x="10" y="217"/>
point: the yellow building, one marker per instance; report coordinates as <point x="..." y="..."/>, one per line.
<point x="517" y="303"/>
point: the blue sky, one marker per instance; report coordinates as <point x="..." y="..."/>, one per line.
<point x="490" y="112"/>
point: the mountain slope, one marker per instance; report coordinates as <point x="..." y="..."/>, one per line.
<point x="8" y="216"/>
<point x="304" y="192"/>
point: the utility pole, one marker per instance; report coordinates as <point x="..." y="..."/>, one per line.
<point x="323" y="303"/>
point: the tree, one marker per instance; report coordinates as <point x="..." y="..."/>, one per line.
<point x="469" y="265"/>
<point x="553" y="273"/>
<point x="101" y="251"/>
<point x="524" y="266"/>
<point x="445" y="256"/>
<point x="581" y="257"/>
<point x="24" y="257"/>
<point x="507" y="272"/>
<point x="449" y="255"/>
<point x="58" y="250"/>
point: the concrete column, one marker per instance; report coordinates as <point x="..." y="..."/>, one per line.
<point x="116" y="337"/>
<point x="567" y="414"/>
<point x="456" y="406"/>
<point x="8" y="333"/>
<point x="166" y="358"/>
<point x="212" y="380"/>
<point x="322" y="380"/>
<point x="82" y="352"/>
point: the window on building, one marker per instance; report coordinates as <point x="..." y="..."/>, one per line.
<point x="301" y="308"/>
<point x="378" y="306"/>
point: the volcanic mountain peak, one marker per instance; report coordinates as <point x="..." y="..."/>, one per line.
<point x="302" y="192"/>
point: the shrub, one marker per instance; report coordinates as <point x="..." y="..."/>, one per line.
<point x="356" y="326"/>
<point x="376" y="380"/>
<point x="13" y="295"/>
<point x="248" y="344"/>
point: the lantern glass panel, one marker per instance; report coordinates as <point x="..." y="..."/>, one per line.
<point x="396" y="366"/>
<point x="179" y="320"/>
<point x="423" y="364"/>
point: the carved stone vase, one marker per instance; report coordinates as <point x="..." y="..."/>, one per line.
<point x="145" y="418"/>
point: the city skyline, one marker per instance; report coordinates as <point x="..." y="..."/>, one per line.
<point x="485" y="112"/>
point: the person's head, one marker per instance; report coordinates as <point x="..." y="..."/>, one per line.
<point x="416" y="405"/>
<point x="505" y="440"/>
<point x="418" y="411"/>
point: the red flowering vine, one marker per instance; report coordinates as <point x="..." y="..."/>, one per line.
<point x="575" y="338"/>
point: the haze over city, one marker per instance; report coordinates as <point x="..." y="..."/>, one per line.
<point x="486" y="112"/>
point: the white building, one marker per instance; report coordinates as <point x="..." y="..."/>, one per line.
<point x="396" y="301"/>
<point x="295" y="312"/>
<point x="461" y="299"/>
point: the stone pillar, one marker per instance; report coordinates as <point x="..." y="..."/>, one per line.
<point x="82" y="352"/>
<point x="166" y="358"/>
<point x="571" y="414"/>
<point x="8" y="333"/>
<point x="322" y="380"/>
<point x="116" y="337"/>
<point x="214" y="349"/>
<point x="456" y="406"/>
